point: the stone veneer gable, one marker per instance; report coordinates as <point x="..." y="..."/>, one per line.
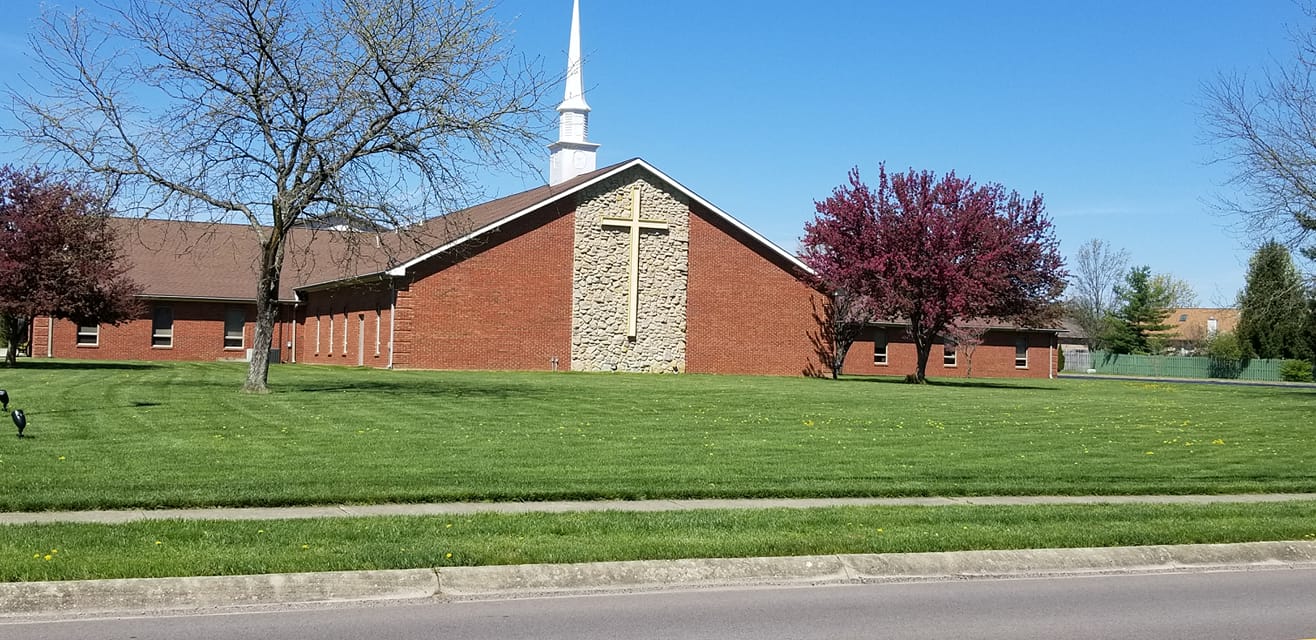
<point x="600" y="276"/>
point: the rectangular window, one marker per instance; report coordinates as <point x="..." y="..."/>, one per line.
<point x="879" y="348"/>
<point x="378" y="314"/>
<point x="331" y="332"/>
<point x="344" y="330"/>
<point x="948" y="352"/>
<point x="89" y="335"/>
<point x="317" y="334"/>
<point x="235" y="321"/>
<point x="162" y="327"/>
<point x="1021" y="352"/>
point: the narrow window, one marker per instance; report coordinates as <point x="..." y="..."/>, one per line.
<point x="879" y="348"/>
<point x="317" y="334"/>
<point x="1021" y="352"/>
<point x="89" y="335"/>
<point x="162" y="327"/>
<point x="948" y="352"/>
<point x="331" y="332"/>
<point x="344" y="330"/>
<point x="1183" y="317"/>
<point x="235" y="321"/>
<point x="378" y="314"/>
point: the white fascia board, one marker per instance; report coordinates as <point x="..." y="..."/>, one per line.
<point x="728" y="217"/>
<point x="401" y="270"/>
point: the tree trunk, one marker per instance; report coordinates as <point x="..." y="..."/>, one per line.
<point x="924" y="349"/>
<point x="11" y="332"/>
<point x="267" y="313"/>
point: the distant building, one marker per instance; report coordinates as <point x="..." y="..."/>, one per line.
<point x="1191" y="327"/>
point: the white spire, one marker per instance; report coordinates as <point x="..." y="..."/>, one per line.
<point x="572" y="155"/>
<point x="574" y="100"/>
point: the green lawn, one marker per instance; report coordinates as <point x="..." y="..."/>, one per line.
<point x="156" y="435"/>
<point x="174" y="548"/>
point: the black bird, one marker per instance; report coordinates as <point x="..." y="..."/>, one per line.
<point x="20" y="421"/>
<point x="4" y="399"/>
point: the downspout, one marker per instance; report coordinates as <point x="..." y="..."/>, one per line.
<point x="294" y="334"/>
<point x="392" y="318"/>
<point x="1051" y="358"/>
<point x="50" y="337"/>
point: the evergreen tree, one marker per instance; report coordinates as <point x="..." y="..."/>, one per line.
<point x="1143" y="309"/>
<point x="1273" y="309"/>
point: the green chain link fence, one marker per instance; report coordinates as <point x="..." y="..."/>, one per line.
<point x="1172" y="366"/>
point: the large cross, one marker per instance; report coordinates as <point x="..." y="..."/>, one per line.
<point x="634" y="223"/>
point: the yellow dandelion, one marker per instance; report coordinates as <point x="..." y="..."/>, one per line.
<point x="306" y="546"/>
<point x="36" y="555"/>
<point x="61" y="457"/>
<point x="447" y="555"/>
<point x="158" y="542"/>
<point x="48" y="556"/>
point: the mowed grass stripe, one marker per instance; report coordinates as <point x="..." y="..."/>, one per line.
<point x="123" y="435"/>
<point x="177" y="548"/>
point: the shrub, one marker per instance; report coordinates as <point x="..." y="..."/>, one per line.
<point x="1060" y="366"/>
<point x="1226" y="355"/>
<point x="1295" y="371"/>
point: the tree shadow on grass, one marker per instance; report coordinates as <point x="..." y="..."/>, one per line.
<point x="968" y="383"/>
<point x="76" y="365"/>
<point x="417" y="387"/>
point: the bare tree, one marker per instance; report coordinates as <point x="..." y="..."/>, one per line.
<point x="1266" y="128"/>
<point x="281" y="113"/>
<point x="1098" y="268"/>
<point x="967" y="339"/>
<point x="1176" y="292"/>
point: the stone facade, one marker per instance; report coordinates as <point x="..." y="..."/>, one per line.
<point x="601" y="278"/>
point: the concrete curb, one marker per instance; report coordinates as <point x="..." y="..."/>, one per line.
<point x="147" y="594"/>
<point x="156" y="594"/>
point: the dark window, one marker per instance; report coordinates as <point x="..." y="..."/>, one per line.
<point x="879" y="348"/>
<point x="162" y="327"/>
<point x="89" y="334"/>
<point x="948" y="352"/>
<point x="235" y="319"/>
<point x="1021" y="353"/>
<point x="1183" y="317"/>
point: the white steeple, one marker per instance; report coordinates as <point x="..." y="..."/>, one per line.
<point x="571" y="155"/>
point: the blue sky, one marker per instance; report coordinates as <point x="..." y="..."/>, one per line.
<point x="762" y="106"/>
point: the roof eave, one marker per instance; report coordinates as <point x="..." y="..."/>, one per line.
<point x="401" y="270"/>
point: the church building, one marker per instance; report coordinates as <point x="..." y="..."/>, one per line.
<point x="619" y="268"/>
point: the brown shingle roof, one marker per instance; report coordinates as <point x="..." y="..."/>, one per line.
<point x="1192" y="323"/>
<point x="206" y="260"/>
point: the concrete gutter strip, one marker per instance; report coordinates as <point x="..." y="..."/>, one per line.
<point x="508" y="581"/>
<point x="513" y="581"/>
<point x="154" y="594"/>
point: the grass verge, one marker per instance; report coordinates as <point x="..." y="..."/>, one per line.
<point x="128" y="435"/>
<point x="188" y="548"/>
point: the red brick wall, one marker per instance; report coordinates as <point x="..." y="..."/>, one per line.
<point x="746" y="312"/>
<point x="994" y="358"/>
<point x="352" y="325"/>
<point x="198" y="334"/>
<point x="506" y="304"/>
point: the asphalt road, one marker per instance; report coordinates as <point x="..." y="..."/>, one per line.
<point x="1258" y="605"/>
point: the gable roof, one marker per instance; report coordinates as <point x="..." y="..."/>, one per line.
<point x="499" y="212"/>
<point x="219" y="261"/>
<point x="1192" y="322"/>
